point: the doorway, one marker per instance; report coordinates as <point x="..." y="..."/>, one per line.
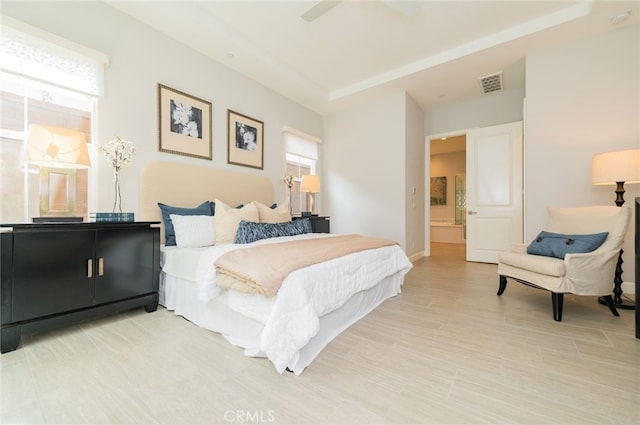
<point x="493" y="166"/>
<point x="448" y="194"/>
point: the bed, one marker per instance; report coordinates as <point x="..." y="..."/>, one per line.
<point x="313" y="305"/>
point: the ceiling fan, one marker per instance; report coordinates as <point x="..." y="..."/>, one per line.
<point x="406" y="7"/>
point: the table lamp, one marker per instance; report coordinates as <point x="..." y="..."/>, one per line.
<point x="310" y="184"/>
<point x="58" y="152"/>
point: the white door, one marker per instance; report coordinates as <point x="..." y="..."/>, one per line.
<point x="494" y="191"/>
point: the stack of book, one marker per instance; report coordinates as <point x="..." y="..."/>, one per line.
<point x="100" y="217"/>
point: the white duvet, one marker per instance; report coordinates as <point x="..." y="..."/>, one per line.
<point x="305" y="295"/>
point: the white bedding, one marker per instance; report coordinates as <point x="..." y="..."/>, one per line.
<point x="179" y="295"/>
<point x="292" y="318"/>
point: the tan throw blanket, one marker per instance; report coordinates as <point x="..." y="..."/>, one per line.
<point x="261" y="269"/>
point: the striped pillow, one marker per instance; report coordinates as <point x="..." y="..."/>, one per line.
<point x="250" y="231"/>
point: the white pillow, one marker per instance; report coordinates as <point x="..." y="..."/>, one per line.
<point x="228" y="219"/>
<point x="280" y="214"/>
<point x="193" y="231"/>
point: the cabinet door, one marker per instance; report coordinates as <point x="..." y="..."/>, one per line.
<point x="52" y="273"/>
<point x="124" y="264"/>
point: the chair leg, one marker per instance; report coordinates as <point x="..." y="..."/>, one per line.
<point x="503" y="284"/>
<point x="557" y="299"/>
<point x="609" y="300"/>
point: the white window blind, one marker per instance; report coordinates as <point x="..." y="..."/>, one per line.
<point x="30" y="52"/>
<point x="301" y="144"/>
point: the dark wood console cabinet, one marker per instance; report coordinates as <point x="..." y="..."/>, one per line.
<point x="53" y="275"/>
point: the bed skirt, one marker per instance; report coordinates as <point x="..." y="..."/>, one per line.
<point x="180" y="296"/>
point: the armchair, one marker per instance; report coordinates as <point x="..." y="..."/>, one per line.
<point x="589" y="273"/>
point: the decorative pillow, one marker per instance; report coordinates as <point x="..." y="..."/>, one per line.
<point x="193" y="231"/>
<point x="250" y="232"/>
<point x="558" y="245"/>
<point x="228" y="219"/>
<point x="170" y="237"/>
<point x="275" y="214"/>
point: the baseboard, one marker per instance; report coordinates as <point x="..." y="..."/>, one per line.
<point x="415" y="257"/>
<point x="628" y="287"/>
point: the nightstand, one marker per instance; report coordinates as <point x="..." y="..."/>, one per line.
<point x="318" y="224"/>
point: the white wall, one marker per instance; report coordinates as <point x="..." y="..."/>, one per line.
<point x="375" y="156"/>
<point x="364" y="149"/>
<point x="414" y="186"/>
<point x="582" y="99"/>
<point x="140" y="59"/>
<point x="483" y="111"/>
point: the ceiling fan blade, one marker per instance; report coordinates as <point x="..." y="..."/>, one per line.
<point x="319" y="9"/>
<point x="408" y="8"/>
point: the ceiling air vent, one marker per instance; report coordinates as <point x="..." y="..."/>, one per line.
<point x="491" y="83"/>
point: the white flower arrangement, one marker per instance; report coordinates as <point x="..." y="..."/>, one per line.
<point x="119" y="152"/>
<point x="288" y="180"/>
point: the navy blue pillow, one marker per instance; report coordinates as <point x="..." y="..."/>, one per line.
<point x="249" y="231"/>
<point x="558" y="245"/>
<point x="206" y="208"/>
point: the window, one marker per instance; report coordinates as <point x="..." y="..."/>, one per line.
<point x="24" y="102"/>
<point x="51" y="81"/>
<point x="41" y="56"/>
<point x="301" y="158"/>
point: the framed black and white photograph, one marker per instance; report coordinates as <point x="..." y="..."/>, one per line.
<point x="438" y="191"/>
<point x="184" y="124"/>
<point x="246" y="140"/>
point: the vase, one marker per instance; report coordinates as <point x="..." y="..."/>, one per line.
<point x="117" y="201"/>
<point x="289" y="201"/>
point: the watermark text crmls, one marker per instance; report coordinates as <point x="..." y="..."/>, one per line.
<point x="249" y="416"/>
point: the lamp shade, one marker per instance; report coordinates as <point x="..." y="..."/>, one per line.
<point x="310" y="184"/>
<point x="617" y="166"/>
<point x="56" y="147"/>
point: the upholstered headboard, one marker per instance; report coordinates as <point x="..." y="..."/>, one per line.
<point x="185" y="185"/>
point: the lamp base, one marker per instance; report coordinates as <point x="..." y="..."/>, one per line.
<point x="623" y="304"/>
<point x="617" y="288"/>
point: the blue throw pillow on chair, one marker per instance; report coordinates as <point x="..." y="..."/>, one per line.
<point x="558" y="245"/>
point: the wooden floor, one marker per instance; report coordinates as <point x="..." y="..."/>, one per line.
<point x="445" y="351"/>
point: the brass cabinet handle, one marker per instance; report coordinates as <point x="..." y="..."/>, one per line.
<point x="100" y="266"/>
<point x="89" y="267"/>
